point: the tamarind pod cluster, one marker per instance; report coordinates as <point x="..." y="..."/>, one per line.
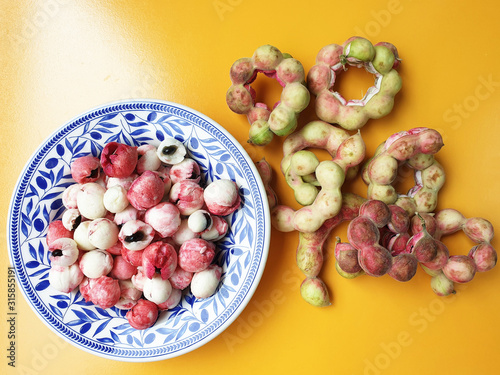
<point x="481" y="258"/>
<point x="317" y="185"/>
<point x="298" y="163"/>
<point x="381" y="60"/>
<point x="396" y="233"/>
<point x="416" y="148"/>
<point x="363" y="234"/>
<point x="281" y="120"/>
<point x="387" y="241"/>
<point x="448" y="269"/>
<point x="310" y="250"/>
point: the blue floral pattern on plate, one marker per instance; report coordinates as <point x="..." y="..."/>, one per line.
<point x="37" y="201"/>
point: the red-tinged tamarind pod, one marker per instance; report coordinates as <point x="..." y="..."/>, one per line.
<point x="478" y="230"/>
<point x="377" y="211"/>
<point x="375" y="260"/>
<point x="422" y="245"/>
<point x="378" y="101"/>
<point x="404" y="267"/>
<point x="314" y="291"/>
<point x="346" y="256"/>
<point x="460" y="268"/>
<point x="485" y="257"/>
<point x="281" y="120"/>
<point x="415" y="148"/>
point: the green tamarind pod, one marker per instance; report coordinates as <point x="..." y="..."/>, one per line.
<point x="358" y="50"/>
<point x="282" y="121"/>
<point x="314" y="291"/>
<point x="383" y="60"/>
<point x="260" y="134"/>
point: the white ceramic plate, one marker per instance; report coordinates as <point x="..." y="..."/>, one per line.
<point x="37" y="201"/>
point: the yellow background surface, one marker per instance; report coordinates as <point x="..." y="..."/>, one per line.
<point x="59" y="58"/>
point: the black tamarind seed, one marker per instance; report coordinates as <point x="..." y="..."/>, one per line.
<point x="169" y="150"/>
<point x="137" y="236"/>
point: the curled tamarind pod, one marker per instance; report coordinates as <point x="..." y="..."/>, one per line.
<point x="478" y="229"/>
<point x="241" y="96"/>
<point x="375" y="260"/>
<point x="485" y="257"/>
<point x="328" y="201"/>
<point x="299" y="165"/>
<point x="449" y="221"/>
<point x="377" y="211"/>
<point x="314" y="291"/>
<point x="416" y="148"/>
<point x="460" y="268"/>
<point x="404" y="267"/>
<point x="378" y="101"/>
<point x="441" y="285"/>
